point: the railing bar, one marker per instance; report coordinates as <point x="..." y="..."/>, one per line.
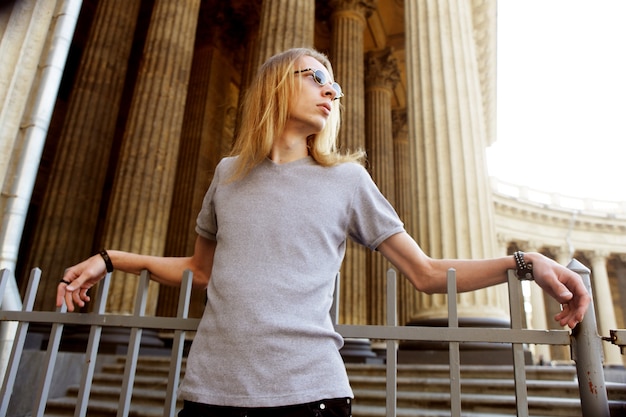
<point x="588" y="354"/>
<point x="18" y="343"/>
<point x="105" y="320"/>
<point x="91" y="354"/>
<point x="462" y="334"/>
<point x="177" y="346"/>
<point x="455" y="357"/>
<point x="49" y="363"/>
<point x="130" y="365"/>
<point x="392" y="345"/>
<point x="519" y="374"/>
<point x="519" y="366"/>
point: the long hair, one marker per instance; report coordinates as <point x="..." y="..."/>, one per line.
<point x="265" y="110"/>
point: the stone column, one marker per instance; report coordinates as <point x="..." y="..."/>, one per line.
<point x="455" y="211"/>
<point x="558" y="353"/>
<point x="538" y="317"/>
<point x="604" y="305"/>
<point x="69" y="213"/>
<point x="284" y="24"/>
<point x="484" y="22"/>
<point x="143" y="186"/>
<point x="207" y="133"/>
<point x="407" y="295"/>
<point x="539" y="321"/>
<point x="617" y="271"/>
<point x="24" y="28"/>
<point x="348" y="19"/>
<point x="382" y="74"/>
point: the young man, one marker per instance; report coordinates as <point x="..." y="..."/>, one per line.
<point x="271" y="238"/>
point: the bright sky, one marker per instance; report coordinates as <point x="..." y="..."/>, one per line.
<point x="561" y="105"/>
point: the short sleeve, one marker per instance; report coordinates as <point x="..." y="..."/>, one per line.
<point x="372" y="219"/>
<point x="206" y="223"/>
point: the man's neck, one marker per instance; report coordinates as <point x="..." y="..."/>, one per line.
<point x="285" y="150"/>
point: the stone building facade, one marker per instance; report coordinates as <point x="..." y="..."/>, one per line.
<point x="114" y="114"/>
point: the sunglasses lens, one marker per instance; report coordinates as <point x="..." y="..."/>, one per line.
<point x="338" y="90"/>
<point x="320" y="77"/>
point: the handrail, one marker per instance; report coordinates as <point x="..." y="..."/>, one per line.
<point x="584" y="342"/>
<point x="587" y="353"/>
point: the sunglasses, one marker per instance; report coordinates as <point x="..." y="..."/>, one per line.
<point x="321" y="78"/>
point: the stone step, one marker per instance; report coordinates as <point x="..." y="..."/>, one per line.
<point x="160" y="365"/>
<point x="118" y="368"/>
<point x="541" y="381"/>
<point x="559" y="373"/>
<point x="474" y="385"/>
<point x="380" y="411"/>
<point x="153" y="397"/>
<point x="617" y="409"/>
<point x="141" y="381"/>
<point x="423" y="390"/>
<point x="477" y="403"/>
<point x="63" y="407"/>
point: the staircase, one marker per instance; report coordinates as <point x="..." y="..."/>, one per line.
<point x="423" y="391"/>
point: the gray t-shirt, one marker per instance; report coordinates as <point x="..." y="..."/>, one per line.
<point x="266" y="338"/>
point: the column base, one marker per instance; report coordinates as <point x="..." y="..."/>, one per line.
<point x="359" y="351"/>
<point x="471" y="353"/>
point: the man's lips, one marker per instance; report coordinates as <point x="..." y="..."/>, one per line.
<point x="325" y="106"/>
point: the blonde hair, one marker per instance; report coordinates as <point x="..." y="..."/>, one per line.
<point x="265" y="110"/>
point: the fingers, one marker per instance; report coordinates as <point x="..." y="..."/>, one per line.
<point x="569" y="290"/>
<point x="565" y="317"/>
<point x="72" y="297"/>
<point x="73" y="290"/>
<point x="61" y="296"/>
<point x="77" y="280"/>
<point x="573" y="311"/>
<point x="67" y="295"/>
<point x="569" y="316"/>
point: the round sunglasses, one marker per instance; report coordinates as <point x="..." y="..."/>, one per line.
<point x="321" y="78"/>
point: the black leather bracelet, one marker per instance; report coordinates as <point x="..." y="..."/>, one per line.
<point x="524" y="270"/>
<point x="107" y="260"/>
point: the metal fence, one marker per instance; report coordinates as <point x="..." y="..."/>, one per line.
<point x="586" y="345"/>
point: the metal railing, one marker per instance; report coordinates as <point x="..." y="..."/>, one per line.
<point x="585" y="344"/>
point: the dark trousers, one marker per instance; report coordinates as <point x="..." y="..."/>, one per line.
<point x="336" y="407"/>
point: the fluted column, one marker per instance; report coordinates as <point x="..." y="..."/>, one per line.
<point x="382" y="74"/>
<point x="604" y="305"/>
<point x="484" y="21"/>
<point x="349" y="18"/>
<point x="69" y="213"/>
<point x="284" y="24"/>
<point x="455" y="217"/>
<point x="26" y="24"/>
<point x="142" y="191"/>
<point x="538" y="318"/>
<point x="206" y="137"/>
<point x="403" y="192"/>
<point x="558" y="353"/>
